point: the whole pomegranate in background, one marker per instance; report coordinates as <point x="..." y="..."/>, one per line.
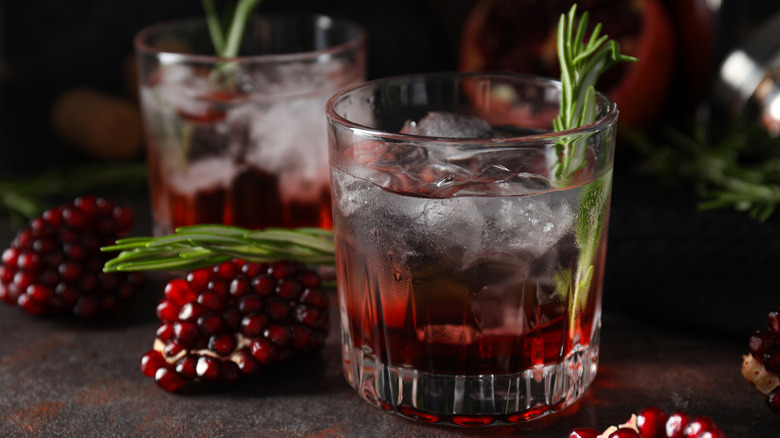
<point x="520" y="36"/>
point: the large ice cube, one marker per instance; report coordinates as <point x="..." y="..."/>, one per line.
<point x="450" y="125"/>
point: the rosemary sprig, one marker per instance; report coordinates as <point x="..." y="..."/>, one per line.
<point x="24" y="197"/>
<point x="197" y="246"/>
<point x="581" y="65"/>
<point x="738" y="168"/>
<point x="228" y="40"/>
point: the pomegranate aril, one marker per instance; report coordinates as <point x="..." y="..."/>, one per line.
<point x="186" y="367"/>
<point x="185" y="332"/>
<point x="651" y="421"/>
<point x="278" y="334"/>
<point x="759" y="343"/>
<point x="250" y="303"/>
<point x="198" y="280"/>
<point x="30" y="306"/>
<point x="229" y="372"/>
<point x="191" y="311"/>
<point x="210" y="323"/>
<point x="624" y="433"/>
<point x="288" y="290"/>
<point x="584" y="432"/>
<point x="86" y="307"/>
<point x="773" y="322"/>
<point x="772" y="359"/>
<point x="178" y="292"/>
<point x="168" y="379"/>
<point x="167" y="311"/>
<point x="151" y="362"/>
<point x="697" y="426"/>
<point x="675" y="424"/>
<point x="253" y="325"/>
<point x="264" y="351"/>
<point x="773" y="400"/>
<point x="207" y="368"/>
<point x="263" y="286"/>
<point x="223" y="345"/>
<point x="276" y="309"/>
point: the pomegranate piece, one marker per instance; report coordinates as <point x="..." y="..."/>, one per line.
<point x="227" y="321"/>
<point x="761" y="368"/>
<point x="55" y="265"/>
<point x="652" y="422"/>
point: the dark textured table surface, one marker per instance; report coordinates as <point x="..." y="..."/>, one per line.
<point x="63" y="379"/>
<point x="664" y="343"/>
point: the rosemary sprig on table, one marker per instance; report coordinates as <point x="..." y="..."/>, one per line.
<point x="197" y="246"/>
<point x="738" y="168"/>
<point x="581" y="65"/>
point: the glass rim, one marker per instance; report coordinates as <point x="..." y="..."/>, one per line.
<point x="608" y="119"/>
<point x="142" y="47"/>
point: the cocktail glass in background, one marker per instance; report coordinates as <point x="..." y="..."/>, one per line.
<point x="242" y="141"/>
<point x="469" y="264"/>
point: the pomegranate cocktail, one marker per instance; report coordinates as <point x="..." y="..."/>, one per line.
<point x="470" y="269"/>
<point x="240" y="139"/>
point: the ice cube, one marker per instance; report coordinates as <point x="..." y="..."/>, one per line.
<point x="449" y="125"/>
<point x="531" y="224"/>
<point x="287" y="139"/>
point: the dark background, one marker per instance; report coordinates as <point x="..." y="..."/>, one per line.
<point x="667" y="260"/>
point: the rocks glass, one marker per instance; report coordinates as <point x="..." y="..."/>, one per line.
<point x="242" y="141"/>
<point x="470" y="254"/>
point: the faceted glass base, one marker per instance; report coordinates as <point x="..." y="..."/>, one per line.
<point x="473" y="400"/>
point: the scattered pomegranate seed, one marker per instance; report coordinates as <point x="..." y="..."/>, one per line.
<point x="584" y="432"/>
<point x="55" y="265"/>
<point x="652" y="422"/>
<point x="762" y="366"/>
<point x="224" y="322"/>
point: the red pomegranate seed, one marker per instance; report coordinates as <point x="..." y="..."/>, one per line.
<point x="222" y="345"/>
<point x="584" y="432"/>
<point x="151" y="362"/>
<point x="199" y="280"/>
<point x="263" y="350"/>
<point x="759" y="343"/>
<point x="168" y="379"/>
<point x="699" y="425"/>
<point x="207" y="368"/>
<point x="772" y="359"/>
<point x="288" y="290"/>
<point x="167" y="311"/>
<point x="186" y="367"/>
<point x="773" y="322"/>
<point x="625" y="432"/>
<point x="675" y="424"/>
<point x="773" y="400"/>
<point x="278" y="334"/>
<point x="179" y="292"/>
<point x="263" y="286"/>
<point x="651" y="422"/>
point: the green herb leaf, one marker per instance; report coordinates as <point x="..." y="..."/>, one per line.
<point x="228" y="41"/>
<point x="581" y="64"/>
<point x="736" y="166"/>
<point x="197" y="246"/>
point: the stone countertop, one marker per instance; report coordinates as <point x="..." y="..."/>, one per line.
<point x="680" y="348"/>
<point x="60" y="378"/>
